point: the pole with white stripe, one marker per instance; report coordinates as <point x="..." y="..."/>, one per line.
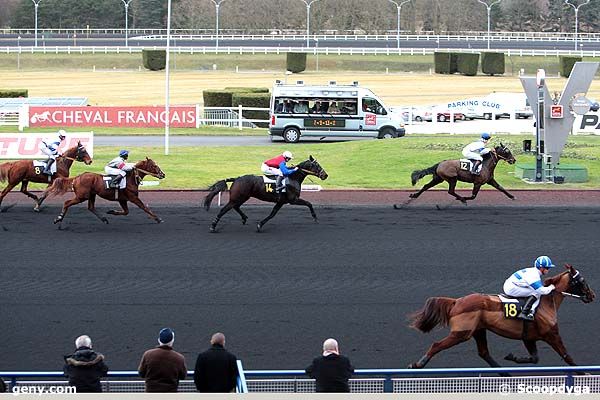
<point x="167" y="77"/>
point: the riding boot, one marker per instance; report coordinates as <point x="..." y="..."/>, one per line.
<point x="526" y="312"/>
<point x="279" y="184"/>
<point x="476" y="164"/>
<point x="115" y="181"/>
<point x="48" y="166"/>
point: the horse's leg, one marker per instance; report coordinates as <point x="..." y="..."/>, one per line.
<point x="244" y="216"/>
<point x="136" y="200"/>
<point x="435" y="181"/>
<point x="7" y="189"/>
<point x="476" y="188"/>
<point x="452" y="339"/>
<point x="483" y="351"/>
<point x="124" y="211"/>
<point x="26" y="192"/>
<point x="224" y="210"/>
<point x="301" y="202"/>
<point x="39" y="201"/>
<point x="533" y="358"/>
<point x="66" y="205"/>
<point x="555" y="341"/>
<point x="92" y="208"/>
<point x="451" y="190"/>
<point x="273" y="212"/>
<point x="495" y="184"/>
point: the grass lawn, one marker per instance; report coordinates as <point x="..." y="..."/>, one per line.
<point x="369" y="164"/>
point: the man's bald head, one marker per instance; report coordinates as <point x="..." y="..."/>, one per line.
<point x="218" y="338"/>
<point x="330" y="346"/>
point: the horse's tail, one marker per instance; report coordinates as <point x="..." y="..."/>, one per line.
<point x="418" y="174"/>
<point x="215" y="189"/>
<point x="4" y="170"/>
<point x="60" y="186"/>
<point x="436" y="312"/>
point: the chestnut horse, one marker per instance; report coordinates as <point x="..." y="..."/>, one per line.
<point x="87" y="185"/>
<point x="471" y="316"/>
<point x="244" y="187"/>
<point x="24" y="171"/>
<point x="451" y="172"/>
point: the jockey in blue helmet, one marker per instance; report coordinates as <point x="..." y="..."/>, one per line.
<point x="527" y="282"/>
<point x="118" y="167"/>
<point x="475" y="150"/>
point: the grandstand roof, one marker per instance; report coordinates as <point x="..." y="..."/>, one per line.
<point x="15" y="103"/>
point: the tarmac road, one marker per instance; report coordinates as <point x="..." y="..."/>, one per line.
<point x="276" y="295"/>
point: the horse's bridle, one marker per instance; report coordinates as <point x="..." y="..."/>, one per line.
<point x="309" y="172"/>
<point x="78" y="157"/>
<point x="499" y="156"/>
<point x="146" y="172"/>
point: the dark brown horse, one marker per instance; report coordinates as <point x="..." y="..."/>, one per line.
<point x="451" y="172"/>
<point x="24" y="171"/>
<point x="471" y="316"/>
<point x="87" y="185"/>
<point x="247" y="186"/>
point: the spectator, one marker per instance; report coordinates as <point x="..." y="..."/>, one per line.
<point x="216" y="369"/>
<point x="333" y="108"/>
<point x="85" y="367"/>
<point x="2" y="386"/>
<point x="332" y="370"/>
<point x="301" y="107"/>
<point x="163" y="367"/>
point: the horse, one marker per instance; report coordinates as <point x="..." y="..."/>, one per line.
<point x="471" y="316"/>
<point x="24" y="171"/>
<point x="87" y="185"/>
<point x="246" y="186"/>
<point x="450" y="171"/>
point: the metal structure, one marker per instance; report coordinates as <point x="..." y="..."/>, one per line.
<point x="217" y="7"/>
<point x="576" y="8"/>
<point x="126" y="4"/>
<point x="167" y="79"/>
<point x="489" y="11"/>
<point x="36" y="4"/>
<point x="399" y="10"/>
<point x="308" y="3"/>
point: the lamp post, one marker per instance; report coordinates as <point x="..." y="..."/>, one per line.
<point x="308" y="4"/>
<point x="36" y="4"/>
<point x="489" y="11"/>
<point x="576" y="8"/>
<point x="167" y="77"/>
<point x="126" y="4"/>
<point x="217" y="6"/>
<point x="19" y="52"/>
<point x="399" y="9"/>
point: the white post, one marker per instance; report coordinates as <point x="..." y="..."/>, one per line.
<point x="240" y="123"/>
<point x="217" y="7"/>
<point x="398" y="12"/>
<point x="576" y="8"/>
<point x="167" y="77"/>
<point x="36" y="4"/>
<point x="489" y="17"/>
<point x="126" y="4"/>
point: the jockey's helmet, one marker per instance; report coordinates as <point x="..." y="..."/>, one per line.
<point x="62" y="134"/>
<point x="486" y="136"/>
<point x="543" y="262"/>
<point x="123" y="153"/>
<point x="288" y="155"/>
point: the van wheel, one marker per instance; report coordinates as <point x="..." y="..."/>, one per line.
<point x="291" y="135"/>
<point x="441" y="118"/>
<point x="387" y="133"/>
<point x="418" y="119"/>
<point x="487" y="116"/>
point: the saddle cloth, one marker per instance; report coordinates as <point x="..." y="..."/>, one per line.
<point x="42" y="165"/>
<point x="511" y="306"/>
<point x="269" y="178"/>
<point x="466" y="165"/>
<point x="107" y="182"/>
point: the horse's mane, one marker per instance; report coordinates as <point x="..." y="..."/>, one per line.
<point x="553" y="280"/>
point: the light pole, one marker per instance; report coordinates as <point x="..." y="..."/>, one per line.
<point x="36" y="4"/>
<point x="308" y="4"/>
<point x="489" y="11"/>
<point x="126" y="4"/>
<point x="19" y="52"/>
<point x="217" y="6"/>
<point x="399" y="9"/>
<point x="167" y="78"/>
<point x="576" y="8"/>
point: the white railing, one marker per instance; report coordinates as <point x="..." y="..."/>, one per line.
<point x="10" y="118"/>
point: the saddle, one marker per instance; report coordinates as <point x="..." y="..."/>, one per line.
<point x="512" y="306"/>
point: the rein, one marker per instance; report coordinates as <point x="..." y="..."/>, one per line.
<point x="571" y="295"/>
<point x="147" y="172"/>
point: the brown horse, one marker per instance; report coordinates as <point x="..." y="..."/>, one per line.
<point x="244" y="187"/>
<point x="87" y="185"/>
<point x="451" y="172"/>
<point x="471" y="316"/>
<point x="24" y="171"/>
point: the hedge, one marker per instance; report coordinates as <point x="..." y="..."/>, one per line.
<point x="13" y="93"/>
<point x="566" y="64"/>
<point x="467" y="63"/>
<point x="259" y="100"/>
<point x="217" y="98"/>
<point x="154" y="60"/>
<point x="296" y="62"/>
<point x="445" y="63"/>
<point x="247" y="89"/>
<point x="492" y="63"/>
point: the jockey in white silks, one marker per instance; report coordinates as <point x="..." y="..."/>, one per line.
<point x="474" y="151"/>
<point x="118" y="167"/>
<point x="50" y="147"/>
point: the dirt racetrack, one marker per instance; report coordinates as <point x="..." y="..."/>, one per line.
<point x="277" y="295"/>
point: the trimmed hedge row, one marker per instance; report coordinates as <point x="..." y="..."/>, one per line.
<point x="247" y="97"/>
<point x="13" y="93"/>
<point x="154" y="60"/>
<point x="492" y="63"/>
<point x="467" y="63"/>
<point x="296" y="62"/>
<point x="566" y="64"/>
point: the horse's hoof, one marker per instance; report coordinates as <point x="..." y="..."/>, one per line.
<point x="258" y="227"/>
<point x="316" y="220"/>
<point x="159" y="220"/>
<point x="213" y="229"/>
<point x="510" y="357"/>
<point x="412" y="366"/>
<point x="412" y="196"/>
<point x="58" y="219"/>
<point x="36" y="209"/>
<point x="105" y="220"/>
<point x="111" y="212"/>
<point x="244" y="220"/>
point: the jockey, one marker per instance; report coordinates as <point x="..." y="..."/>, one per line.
<point x="118" y="167"/>
<point x="50" y="147"/>
<point x="528" y="282"/>
<point x="277" y="166"/>
<point x="475" y="150"/>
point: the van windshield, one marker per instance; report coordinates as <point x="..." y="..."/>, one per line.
<point x="373" y="106"/>
<point x="315" y="105"/>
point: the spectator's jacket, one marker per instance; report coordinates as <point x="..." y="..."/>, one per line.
<point x="84" y="368"/>
<point x="216" y="371"/>
<point x="331" y="373"/>
<point x="162" y="368"/>
<point x="275" y="162"/>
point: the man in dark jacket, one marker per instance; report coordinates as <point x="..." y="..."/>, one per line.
<point x="216" y="369"/>
<point x="85" y="367"/>
<point x="332" y="370"/>
<point x="163" y="367"/>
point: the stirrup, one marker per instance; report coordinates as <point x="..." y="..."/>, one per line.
<point x="526" y="317"/>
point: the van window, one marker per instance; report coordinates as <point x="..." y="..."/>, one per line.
<point x="373" y="106"/>
<point x="315" y="105"/>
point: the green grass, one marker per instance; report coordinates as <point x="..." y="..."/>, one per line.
<point x="373" y="164"/>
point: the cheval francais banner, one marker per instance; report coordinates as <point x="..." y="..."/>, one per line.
<point x="134" y="117"/>
<point x="14" y="146"/>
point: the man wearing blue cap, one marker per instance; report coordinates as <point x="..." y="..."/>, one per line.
<point x="163" y="367"/>
<point x="474" y="152"/>
<point x="118" y="168"/>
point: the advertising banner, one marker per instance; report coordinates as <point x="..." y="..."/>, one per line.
<point x="14" y="146"/>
